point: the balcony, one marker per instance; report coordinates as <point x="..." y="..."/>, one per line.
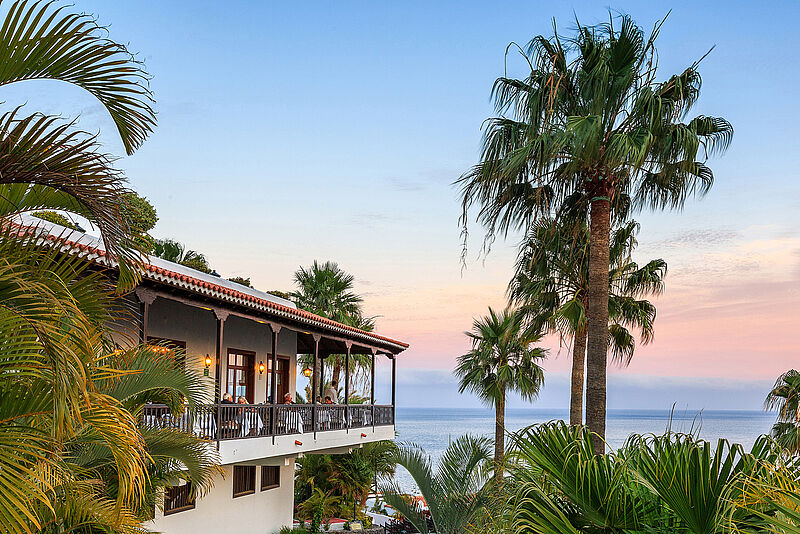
<point x="225" y="422"/>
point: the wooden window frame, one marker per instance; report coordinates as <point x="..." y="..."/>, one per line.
<point x="239" y="469"/>
<point x="264" y="470"/>
<point x="249" y="370"/>
<point x="190" y="503"/>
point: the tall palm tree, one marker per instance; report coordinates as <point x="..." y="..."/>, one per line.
<point x="327" y="290"/>
<point x="551" y="285"/>
<point x="45" y="162"/>
<point x="502" y="360"/>
<point x="454" y="491"/>
<point x="785" y="399"/>
<point x="590" y="121"/>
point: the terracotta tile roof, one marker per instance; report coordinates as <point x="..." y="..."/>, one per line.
<point x="165" y="272"/>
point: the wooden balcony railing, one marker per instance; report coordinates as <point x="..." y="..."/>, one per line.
<point x="240" y="421"/>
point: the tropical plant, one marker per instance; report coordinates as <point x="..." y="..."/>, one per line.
<point x="347" y="477"/>
<point x="785" y="399"/>
<point x="502" y="360"/>
<point x="45" y="162"/>
<point x="175" y="251"/>
<point x="551" y="286"/>
<point x="57" y="218"/>
<point x="141" y="217"/>
<point x="327" y="290"/>
<point x="590" y="125"/>
<point x="454" y="492"/>
<point x="241" y="280"/>
<point x="668" y="483"/>
<point x="70" y="447"/>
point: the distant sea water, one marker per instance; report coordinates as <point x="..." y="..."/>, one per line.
<point x="433" y="428"/>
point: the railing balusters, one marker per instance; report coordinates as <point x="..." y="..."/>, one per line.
<point x="239" y="421"/>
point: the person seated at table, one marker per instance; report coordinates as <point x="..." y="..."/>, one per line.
<point x="287" y="399"/>
<point x="241" y="400"/>
<point x="228" y="423"/>
<point x="328" y="400"/>
<point x="333" y="392"/>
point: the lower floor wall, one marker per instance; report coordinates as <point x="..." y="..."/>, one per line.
<point x="218" y="512"/>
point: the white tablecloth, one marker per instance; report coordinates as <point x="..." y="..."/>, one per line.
<point x="250" y="421"/>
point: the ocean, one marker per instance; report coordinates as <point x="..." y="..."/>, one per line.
<point x="432" y="429"/>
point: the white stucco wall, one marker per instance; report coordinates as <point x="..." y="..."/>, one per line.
<point x="263" y="512"/>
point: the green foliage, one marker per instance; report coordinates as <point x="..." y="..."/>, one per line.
<point x="347" y="478"/>
<point x="590" y="130"/>
<point x="141" y="217"/>
<point x="672" y="483"/>
<point x="785" y="399"/>
<point x="241" y="280"/>
<point x="455" y="491"/>
<point x="551" y="283"/>
<point x="56" y="218"/>
<point x="70" y="445"/>
<point x="281" y="294"/>
<point x="45" y="161"/>
<point x="327" y="290"/>
<point x="176" y="252"/>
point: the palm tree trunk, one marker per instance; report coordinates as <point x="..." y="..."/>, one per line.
<point x="499" y="436"/>
<point x="597" y="343"/>
<point x="337" y="369"/>
<point x="578" y="368"/>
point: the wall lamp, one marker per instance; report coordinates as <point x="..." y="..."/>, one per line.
<point x="307" y="372"/>
<point x="261" y="368"/>
<point x="208" y="361"/>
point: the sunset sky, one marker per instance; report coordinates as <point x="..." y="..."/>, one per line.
<point x="294" y="131"/>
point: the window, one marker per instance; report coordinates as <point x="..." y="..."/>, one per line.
<point x="270" y="477"/>
<point x="178" y="499"/>
<point x="241" y="370"/>
<point x="244" y="480"/>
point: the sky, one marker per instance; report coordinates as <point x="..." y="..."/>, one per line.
<point x="295" y="131"/>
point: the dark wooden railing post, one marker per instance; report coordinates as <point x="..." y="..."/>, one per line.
<point x="394" y="375"/>
<point x="273" y="374"/>
<point x="145" y="297"/>
<point x="372" y="389"/>
<point x="221" y="316"/>
<point x="348" y="423"/>
<point x="314" y="385"/>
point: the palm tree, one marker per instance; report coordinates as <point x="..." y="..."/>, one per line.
<point x="175" y="251"/>
<point x="454" y="492"/>
<point x="71" y="401"/>
<point x="591" y="123"/>
<point x="45" y="162"/>
<point x="785" y="399"/>
<point x="551" y="285"/>
<point x="327" y="290"/>
<point x="502" y="360"/>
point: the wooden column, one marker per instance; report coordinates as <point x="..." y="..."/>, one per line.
<point x="274" y="372"/>
<point x="145" y="298"/>
<point x="314" y="385"/>
<point x="347" y="418"/>
<point x="347" y="374"/>
<point x="394" y="375"/>
<point x="321" y="378"/>
<point x="220" y="368"/>
<point x="372" y="389"/>
<point x="372" y="380"/>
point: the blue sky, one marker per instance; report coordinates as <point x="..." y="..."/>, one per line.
<point x="290" y="132"/>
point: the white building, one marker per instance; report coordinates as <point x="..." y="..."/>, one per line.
<point x="248" y="341"/>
